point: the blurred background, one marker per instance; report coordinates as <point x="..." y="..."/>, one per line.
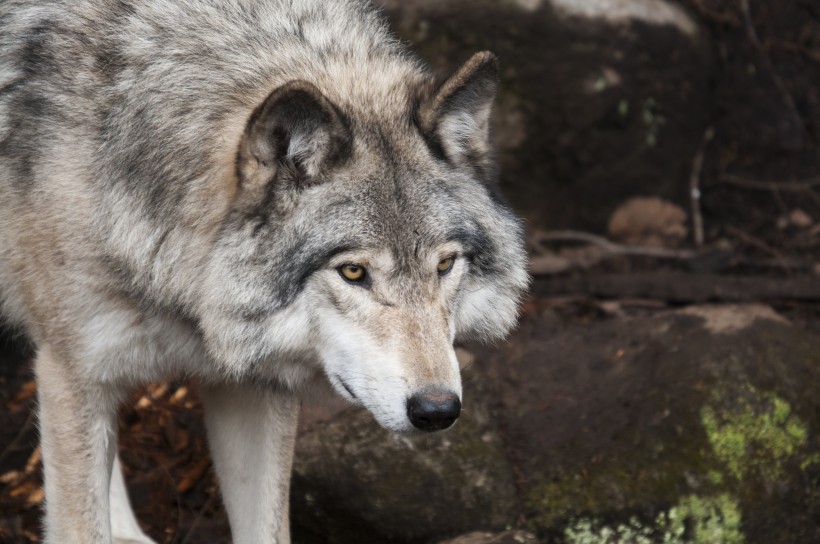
<point x="662" y="386"/>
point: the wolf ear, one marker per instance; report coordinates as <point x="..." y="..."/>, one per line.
<point x="295" y="133"/>
<point x="456" y="118"/>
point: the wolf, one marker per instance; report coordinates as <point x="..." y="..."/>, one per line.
<point x="271" y="197"/>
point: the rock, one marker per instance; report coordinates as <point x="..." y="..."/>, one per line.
<point x="648" y="221"/>
<point x="507" y="537"/>
<point x="549" y="263"/>
<point x="690" y="426"/>
<point x="356" y="482"/>
<point x="319" y="410"/>
<point x="599" y="99"/>
<point x="653" y="12"/>
<point x="686" y="426"/>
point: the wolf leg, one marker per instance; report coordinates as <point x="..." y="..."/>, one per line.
<point x="124" y="526"/>
<point x="251" y="435"/>
<point x="79" y="436"/>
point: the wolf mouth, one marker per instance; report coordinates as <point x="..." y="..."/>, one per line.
<point x="347" y="387"/>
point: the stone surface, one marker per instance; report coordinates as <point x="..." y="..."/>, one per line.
<point x="507" y="537"/>
<point x="600" y="99"/>
<point x="648" y="221"/>
<point x="653" y="12"/>
<point x="356" y="482"/>
<point x="691" y="426"/>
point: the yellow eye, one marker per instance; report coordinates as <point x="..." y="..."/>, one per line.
<point x="352" y="272"/>
<point x="445" y="265"/>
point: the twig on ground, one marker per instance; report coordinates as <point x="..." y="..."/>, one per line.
<point x="760" y="244"/>
<point x="714" y="15"/>
<point x="681" y="287"/>
<point x="694" y="187"/>
<point x="787" y="98"/>
<point x="612" y="247"/>
<point x="555" y="264"/>
<point x="15" y="443"/>
<point x="765" y="185"/>
<point x="205" y="507"/>
<point x="811" y="54"/>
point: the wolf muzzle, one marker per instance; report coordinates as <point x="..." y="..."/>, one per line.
<point x="433" y="410"/>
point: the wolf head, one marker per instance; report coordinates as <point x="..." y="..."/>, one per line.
<point x="367" y="242"/>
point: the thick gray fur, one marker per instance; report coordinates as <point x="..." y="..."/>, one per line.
<point x="179" y="183"/>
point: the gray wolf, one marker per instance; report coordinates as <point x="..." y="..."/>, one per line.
<point x="269" y="196"/>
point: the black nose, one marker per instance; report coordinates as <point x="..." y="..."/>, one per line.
<point x="433" y="410"/>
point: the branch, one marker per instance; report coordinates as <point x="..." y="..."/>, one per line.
<point x="681" y="287"/>
<point x="612" y="247"/>
<point x="760" y="244"/>
<point x="21" y="435"/>
<point x="198" y="519"/>
<point x="552" y="264"/>
<point x="788" y="100"/>
<point x="694" y="187"/>
<point x="811" y="54"/>
<point x="762" y="185"/>
<point x="714" y="15"/>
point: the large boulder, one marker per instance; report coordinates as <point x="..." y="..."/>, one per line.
<point x="356" y="482"/>
<point x="690" y="426"/>
<point x="600" y="100"/>
<point x="507" y="537"/>
<point x="698" y="425"/>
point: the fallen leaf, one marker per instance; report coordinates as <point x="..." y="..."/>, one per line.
<point x="157" y="390"/>
<point x="183" y="439"/>
<point x="179" y="395"/>
<point x="193" y="475"/>
<point x="11" y="477"/>
<point x="34" y="460"/>
<point x="36" y="496"/>
<point x="23" y="489"/>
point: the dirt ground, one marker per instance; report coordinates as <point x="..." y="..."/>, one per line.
<point x="760" y="209"/>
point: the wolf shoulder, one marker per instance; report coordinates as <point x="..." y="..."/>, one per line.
<point x="119" y="120"/>
<point x="165" y="88"/>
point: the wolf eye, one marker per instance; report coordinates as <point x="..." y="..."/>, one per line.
<point x="353" y="273"/>
<point x="445" y="265"/>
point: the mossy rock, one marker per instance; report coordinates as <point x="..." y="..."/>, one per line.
<point x="696" y="426"/>
<point x="356" y="482"/>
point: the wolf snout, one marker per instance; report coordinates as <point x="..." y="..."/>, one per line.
<point x="433" y="410"/>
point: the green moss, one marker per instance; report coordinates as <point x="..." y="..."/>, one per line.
<point x="715" y="477"/>
<point x="643" y="471"/>
<point x="653" y="120"/>
<point x="810" y="460"/>
<point x="592" y="531"/>
<point x="620" y="483"/>
<point x="611" y="487"/>
<point x="750" y="440"/>
<point x="755" y="436"/>
<point x="714" y="520"/>
<point x="694" y="520"/>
